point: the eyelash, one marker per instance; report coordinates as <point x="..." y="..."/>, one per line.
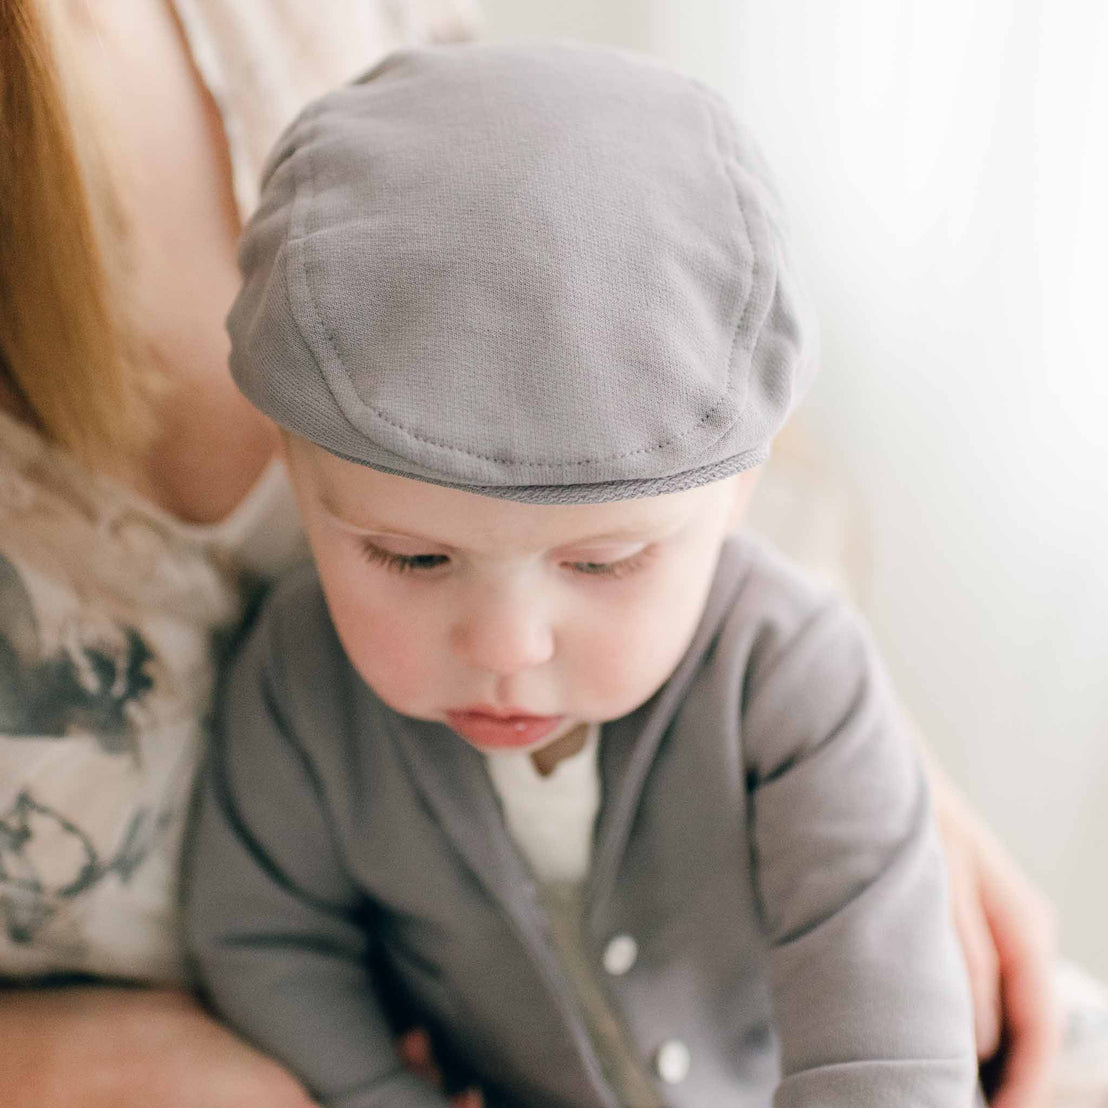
<point x="612" y="570"/>
<point x="425" y="563"/>
<point x="402" y="563"/>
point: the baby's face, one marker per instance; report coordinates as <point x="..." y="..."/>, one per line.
<point x="509" y="622"/>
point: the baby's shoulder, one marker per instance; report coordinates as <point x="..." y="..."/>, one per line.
<point x="774" y="607"/>
<point x="292" y="645"/>
<point x="295" y="608"/>
<point x="770" y="588"/>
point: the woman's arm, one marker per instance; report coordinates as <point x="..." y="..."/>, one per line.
<point x="1007" y="930"/>
<point x="118" y="1047"/>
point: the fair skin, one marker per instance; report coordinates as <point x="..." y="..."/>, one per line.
<point x="444" y="599"/>
<point x="163" y="1051"/>
<point x="182" y="227"/>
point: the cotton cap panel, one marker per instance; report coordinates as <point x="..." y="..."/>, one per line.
<point x="548" y="272"/>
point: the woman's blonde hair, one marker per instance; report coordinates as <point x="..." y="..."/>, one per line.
<point x="66" y="361"/>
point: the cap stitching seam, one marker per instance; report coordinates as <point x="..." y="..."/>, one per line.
<point x="571" y="493"/>
<point x="754" y="268"/>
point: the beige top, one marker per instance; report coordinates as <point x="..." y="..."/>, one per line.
<point x="113" y="613"/>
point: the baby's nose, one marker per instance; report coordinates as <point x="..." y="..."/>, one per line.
<point x="504" y="636"/>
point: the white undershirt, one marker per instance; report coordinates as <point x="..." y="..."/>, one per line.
<point x="551" y="818"/>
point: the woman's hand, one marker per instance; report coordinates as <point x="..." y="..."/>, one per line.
<point x="1007" y="931"/>
<point x="105" y="1047"/>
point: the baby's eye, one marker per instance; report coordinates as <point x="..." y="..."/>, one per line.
<point x="621" y="568"/>
<point x="401" y="563"/>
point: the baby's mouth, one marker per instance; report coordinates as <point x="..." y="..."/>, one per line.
<point x="494" y="729"/>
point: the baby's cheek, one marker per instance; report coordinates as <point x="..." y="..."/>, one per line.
<point x="611" y="679"/>
<point x="615" y="670"/>
<point x="388" y="653"/>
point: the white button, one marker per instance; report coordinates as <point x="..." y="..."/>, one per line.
<point x="620" y="954"/>
<point x="672" y="1062"/>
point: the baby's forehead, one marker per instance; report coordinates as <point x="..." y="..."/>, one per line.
<point x="362" y="500"/>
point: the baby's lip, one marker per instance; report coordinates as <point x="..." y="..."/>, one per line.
<point x="491" y="712"/>
<point x="501" y="728"/>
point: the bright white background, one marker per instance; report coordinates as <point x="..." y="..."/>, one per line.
<point x="946" y="170"/>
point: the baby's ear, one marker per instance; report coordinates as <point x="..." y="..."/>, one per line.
<point x="742" y="489"/>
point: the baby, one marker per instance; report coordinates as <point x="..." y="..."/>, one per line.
<point x="539" y="755"/>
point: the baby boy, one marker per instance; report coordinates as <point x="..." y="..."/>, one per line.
<point x="538" y="754"/>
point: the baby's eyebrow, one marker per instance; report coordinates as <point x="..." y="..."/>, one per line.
<point x="370" y="528"/>
<point x="629" y="534"/>
<point x="637" y="534"/>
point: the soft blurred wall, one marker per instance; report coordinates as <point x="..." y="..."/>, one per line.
<point x="614" y="22"/>
<point x="946" y="169"/>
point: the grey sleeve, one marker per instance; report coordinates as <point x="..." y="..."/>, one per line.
<point x="276" y="929"/>
<point x="869" y="989"/>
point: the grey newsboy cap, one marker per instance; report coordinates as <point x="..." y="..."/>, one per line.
<point x="549" y="272"/>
